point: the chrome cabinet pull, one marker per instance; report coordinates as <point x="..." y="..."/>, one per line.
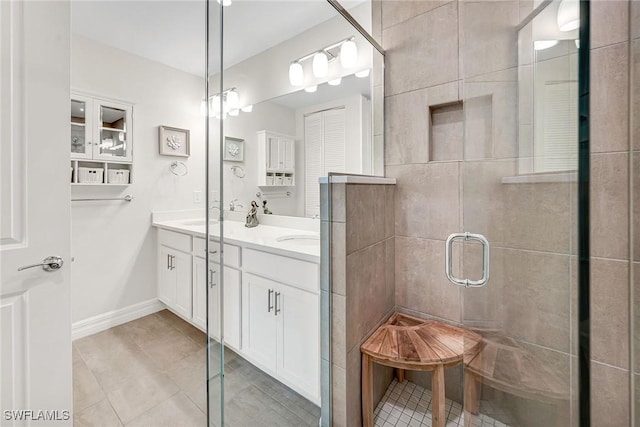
<point x="486" y="258"/>
<point x="277" y="300"/>
<point x="171" y="266"/>
<point x="212" y="281"/>
<point x="50" y="263"/>
<point x="269" y="306"/>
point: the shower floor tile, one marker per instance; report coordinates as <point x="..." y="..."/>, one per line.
<point x="409" y="405"/>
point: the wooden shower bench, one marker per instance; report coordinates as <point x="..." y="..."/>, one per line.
<point x="407" y="342"/>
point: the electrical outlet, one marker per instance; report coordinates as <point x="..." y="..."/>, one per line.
<point x="197" y="196"/>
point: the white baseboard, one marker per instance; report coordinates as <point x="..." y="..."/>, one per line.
<point x="104" y="321"/>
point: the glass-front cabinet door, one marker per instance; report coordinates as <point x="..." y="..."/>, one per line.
<point x="101" y="130"/>
<point x="81" y="132"/>
<point x="113" y="131"/>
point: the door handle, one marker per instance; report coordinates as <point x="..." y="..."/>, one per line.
<point x="277" y="299"/>
<point x="50" y="263"/>
<point x="212" y="282"/>
<point x="269" y="306"/>
<point x="486" y="258"/>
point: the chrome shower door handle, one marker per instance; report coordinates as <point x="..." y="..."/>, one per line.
<point x="486" y="260"/>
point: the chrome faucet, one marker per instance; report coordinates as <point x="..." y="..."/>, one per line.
<point x="234" y="204"/>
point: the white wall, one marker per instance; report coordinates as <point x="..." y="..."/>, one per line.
<point x="112" y="242"/>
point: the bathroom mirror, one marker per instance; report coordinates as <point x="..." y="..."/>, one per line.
<point x="306" y="102"/>
<point x="548" y="86"/>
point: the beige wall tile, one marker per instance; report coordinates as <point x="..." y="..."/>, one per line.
<point x="338" y="202"/>
<point x="537" y="216"/>
<point x="453" y="382"/>
<point x="609" y="396"/>
<point x="635" y="288"/>
<point x="338" y="258"/>
<point x="488" y="41"/>
<point x="396" y="12"/>
<point x="609" y="22"/>
<point x="635" y="92"/>
<point x="369" y="296"/>
<point x="446" y="132"/>
<point x="354" y="395"/>
<point x="483" y="305"/>
<point x="609" y="283"/>
<point x="609" y="216"/>
<point x="609" y="122"/>
<point x="338" y="330"/>
<point x="484" y="198"/>
<point x="635" y="173"/>
<point x="421" y="284"/>
<point x="365" y="215"/>
<point x="421" y="52"/>
<point x="390" y="211"/>
<point x="339" y="396"/>
<point x="406" y="128"/>
<point x="536" y="297"/>
<point x="427" y="199"/>
<point x="635" y="19"/>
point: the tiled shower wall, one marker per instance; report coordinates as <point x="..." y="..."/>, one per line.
<point x="439" y="53"/>
<point x="362" y="286"/>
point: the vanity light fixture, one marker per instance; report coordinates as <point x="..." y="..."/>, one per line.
<point x="544" y="44"/>
<point x="233" y="99"/>
<point x="349" y="54"/>
<point x="234" y="113"/>
<point x="311" y="89"/>
<point x="296" y="75"/>
<point x="230" y="100"/>
<point x="577" y="42"/>
<point x="335" y="82"/>
<point x="362" y="74"/>
<point x="569" y="15"/>
<point x="247" y="108"/>
<point x="225" y="2"/>
<point x="320" y="65"/>
<point x="345" y="48"/>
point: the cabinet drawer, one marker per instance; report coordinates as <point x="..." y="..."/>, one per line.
<point x="179" y="241"/>
<point x="231" y="252"/>
<point x="301" y="274"/>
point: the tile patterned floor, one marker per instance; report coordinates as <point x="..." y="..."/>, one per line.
<point x="409" y="405"/>
<point x="151" y="372"/>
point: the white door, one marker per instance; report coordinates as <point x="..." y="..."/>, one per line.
<point x="35" y="305"/>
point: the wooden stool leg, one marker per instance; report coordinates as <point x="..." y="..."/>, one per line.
<point x="471" y="397"/>
<point x="367" y="392"/>
<point x="438" y="400"/>
<point x="400" y="375"/>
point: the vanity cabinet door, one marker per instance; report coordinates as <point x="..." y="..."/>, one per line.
<point x="174" y="287"/>
<point x="232" y="306"/>
<point x="200" y="282"/>
<point x="258" y="314"/>
<point x="299" y="339"/>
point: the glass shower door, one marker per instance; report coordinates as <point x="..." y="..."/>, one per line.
<point x="212" y="288"/>
<point x="518" y="190"/>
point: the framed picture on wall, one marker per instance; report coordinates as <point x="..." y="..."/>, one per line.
<point x="233" y="149"/>
<point x="173" y="141"/>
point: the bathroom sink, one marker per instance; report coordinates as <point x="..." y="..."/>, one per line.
<point x="198" y="222"/>
<point x="303" y="239"/>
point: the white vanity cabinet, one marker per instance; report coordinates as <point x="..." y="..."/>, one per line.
<point x="281" y="319"/>
<point x="174" y="272"/>
<point x="203" y="277"/>
<point x="276" y="159"/>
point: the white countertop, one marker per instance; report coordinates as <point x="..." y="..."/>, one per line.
<point x="263" y="237"/>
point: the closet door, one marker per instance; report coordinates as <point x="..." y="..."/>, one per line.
<point x="313" y="168"/>
<point x="324" y="136"/>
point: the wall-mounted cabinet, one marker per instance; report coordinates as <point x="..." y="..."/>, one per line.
<point x="276" y="159"/>
<point x="101" y="141"/>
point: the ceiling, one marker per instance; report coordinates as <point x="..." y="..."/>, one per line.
<point x="173" y="32"/>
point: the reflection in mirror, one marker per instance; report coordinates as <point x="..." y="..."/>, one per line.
<point x="548" y="86"/>
<point x="303" y="89"/>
